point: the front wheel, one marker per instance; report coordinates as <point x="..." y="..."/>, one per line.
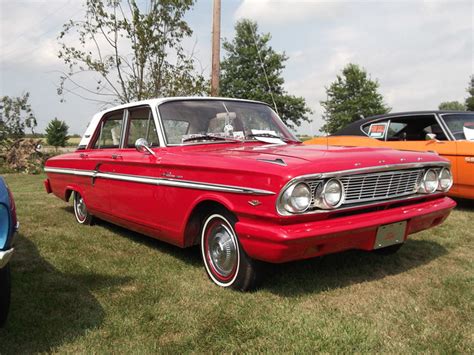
<point x="80" y="210"/>
<point x="226" y="263"/>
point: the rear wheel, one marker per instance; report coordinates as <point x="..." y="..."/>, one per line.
<point x="80" y="210"/>
<point x="226" y="263"/>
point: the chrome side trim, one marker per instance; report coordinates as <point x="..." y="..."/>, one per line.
<point x="161" y="181"/>
<point x="68" y="171"/>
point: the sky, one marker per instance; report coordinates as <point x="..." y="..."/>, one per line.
<point x="421" y="52"/>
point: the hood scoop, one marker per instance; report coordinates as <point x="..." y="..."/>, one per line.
<point x="277" y="161"/>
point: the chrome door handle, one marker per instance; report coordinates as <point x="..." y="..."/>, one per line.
<point x="116" y="156"/>
<point x="83" y="155"/>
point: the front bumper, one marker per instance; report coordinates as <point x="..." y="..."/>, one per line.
<point x="281" y="243"/>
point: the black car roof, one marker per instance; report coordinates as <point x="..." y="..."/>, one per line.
<point x="354" y="127"/>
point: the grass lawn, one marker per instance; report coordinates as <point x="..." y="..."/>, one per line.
<point x="106" y="289"/>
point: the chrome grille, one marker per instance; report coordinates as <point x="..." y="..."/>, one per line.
<point x="380" y="186"/>
<point x="313" y="185"/>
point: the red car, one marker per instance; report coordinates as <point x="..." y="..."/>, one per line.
<point x="228" y="175"/>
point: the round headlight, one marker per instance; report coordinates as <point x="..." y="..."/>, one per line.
<point x="296" y="198"/>
<point x="331" y="195"/>
<point x="445" y="179"/>
<point x="430" y="182"/>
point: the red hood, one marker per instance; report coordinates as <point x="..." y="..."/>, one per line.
<point x="303" y="159"/>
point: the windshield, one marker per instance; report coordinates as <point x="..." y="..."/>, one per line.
<point x="194" y="121"/>
<point x="461" y="125"/>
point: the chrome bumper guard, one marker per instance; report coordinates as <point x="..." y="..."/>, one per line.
<point x="5" y="257"/>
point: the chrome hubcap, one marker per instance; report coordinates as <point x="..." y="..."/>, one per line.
<point x="222" y="250"/>
<point x="81" y="208"/>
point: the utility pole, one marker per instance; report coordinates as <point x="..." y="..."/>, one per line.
<point x="216" y="48"/>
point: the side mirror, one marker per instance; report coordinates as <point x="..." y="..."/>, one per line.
<point x="142" y="145"/>
<point x="430" y="137"/>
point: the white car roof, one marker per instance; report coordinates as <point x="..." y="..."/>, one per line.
<point x="91" y="127"/>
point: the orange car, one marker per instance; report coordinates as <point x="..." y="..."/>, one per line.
<point x="449" y="133"/>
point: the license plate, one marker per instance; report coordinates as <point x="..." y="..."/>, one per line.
<point x="390" y="234"/>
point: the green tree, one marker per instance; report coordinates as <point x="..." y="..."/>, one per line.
<point x="470" y="98"/>
<point x="352" y="94"/>
<point x="15" y="116"/>
<point x="56" y="133"/>
<point x="251" y="69"/>
<point x="452" y="105"/>
<point x="133" y="53"/>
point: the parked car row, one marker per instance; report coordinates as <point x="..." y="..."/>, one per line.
<point x="229" y="176"/>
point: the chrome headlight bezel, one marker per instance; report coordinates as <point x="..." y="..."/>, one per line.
<point x="321" y="199"/>
<point x="423" y="186"/>
<point x="286" y="203"/>
<point x="445" y="188"/>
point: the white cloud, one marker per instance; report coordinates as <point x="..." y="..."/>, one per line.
<point x="285" y="12"/>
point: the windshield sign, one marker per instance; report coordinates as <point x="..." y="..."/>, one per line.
<point x="201" y="121"/>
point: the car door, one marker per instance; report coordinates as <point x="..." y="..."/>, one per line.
<point x="136" y="200"/>
<point x="465" y="164"/>
<point x="101" y="157"/>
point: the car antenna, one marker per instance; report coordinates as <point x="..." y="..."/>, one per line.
<point x="263" y="68"/>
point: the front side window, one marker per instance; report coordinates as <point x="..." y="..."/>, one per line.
<point x="194" y="121"/>
<point x="461" y="125"/>
<point x="110" y="131"/>
<point x="142" y="125"/>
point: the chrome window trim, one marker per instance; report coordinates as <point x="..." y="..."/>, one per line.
<point x="161" y="181"/>
<point x="159" y="126"/>
<point x="125" y="128"/>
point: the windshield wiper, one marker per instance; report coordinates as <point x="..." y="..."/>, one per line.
<point x="268" y="135"/>
<point x="208" y="137"/>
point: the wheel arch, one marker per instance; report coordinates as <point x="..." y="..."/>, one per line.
<point x="72" y="188"/>
<point x="196" y="217"/>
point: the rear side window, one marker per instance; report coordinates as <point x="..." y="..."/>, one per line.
<point x="110" y="131"/>
<point x="395" y="131"/>
<point x="141" y="125"/>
